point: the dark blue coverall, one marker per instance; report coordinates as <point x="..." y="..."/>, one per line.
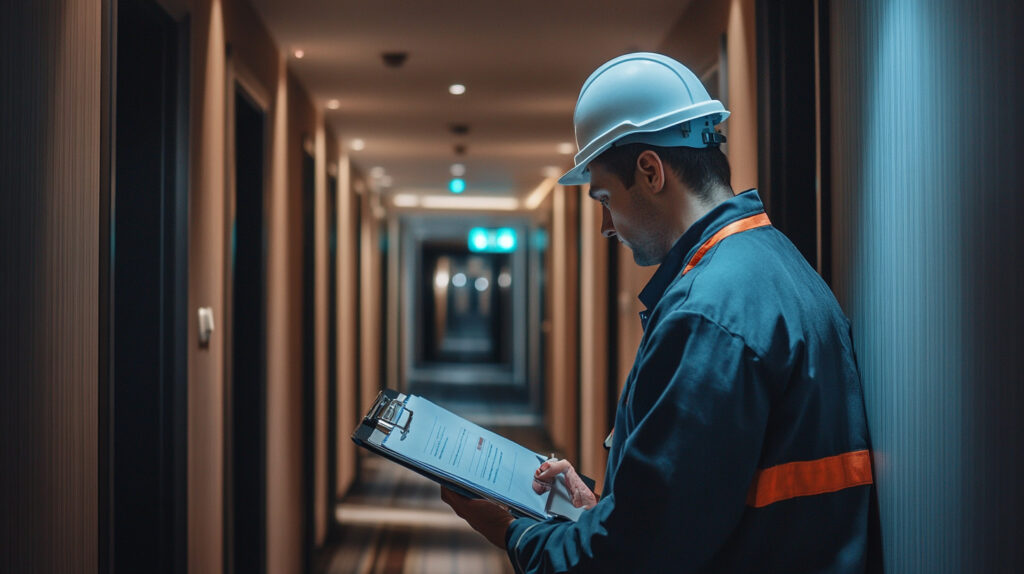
<point x="740" y="440"/>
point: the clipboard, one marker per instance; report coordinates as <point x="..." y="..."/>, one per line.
<point x="392" y="417"/>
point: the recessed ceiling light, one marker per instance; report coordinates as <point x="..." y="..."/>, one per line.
<point x="377" y="171"/>
<point x="333" y="104"/>
<point x="300" y="54"/>
<point x="458" y="170"/>
<point x="566" y="148"/>
<point x="405" y="200"/>
<point x="357" y="144"/>
<point x="456" y="89"/>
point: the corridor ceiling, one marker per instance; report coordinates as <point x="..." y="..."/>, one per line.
<point x="522" y="63"/>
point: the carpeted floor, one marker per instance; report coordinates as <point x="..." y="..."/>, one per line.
<point x="394" y="522"/>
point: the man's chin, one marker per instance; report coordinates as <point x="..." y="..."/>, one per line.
<point x="644" y="259"/>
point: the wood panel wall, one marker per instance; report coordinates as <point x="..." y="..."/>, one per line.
<point x="348" y="331"/>
<point x="371" y="295"/>
<point x="50" y="67"/>
<point x="206" y="288"/>
<point x="594" y="337"/>
<point x="561" y="413"/>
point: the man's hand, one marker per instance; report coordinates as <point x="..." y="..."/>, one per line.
<point x="582" y="497"/>
<point x="487" y="518"/>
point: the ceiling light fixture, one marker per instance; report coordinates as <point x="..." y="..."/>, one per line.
<point x="376" y="171"/>
<point x="405" y="200"/>
<point x="540" y="193"/>
<point x="333" y="104"/>
<point x="473" y="203"/>
<point x="299" y="54"/>
<point x="456" y="89"/>
<point x="357" y="144"/>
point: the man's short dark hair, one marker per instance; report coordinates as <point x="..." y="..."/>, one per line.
<point x="702" y="170"/>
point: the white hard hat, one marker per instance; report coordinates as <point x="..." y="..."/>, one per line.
<point x="646" y="98"/>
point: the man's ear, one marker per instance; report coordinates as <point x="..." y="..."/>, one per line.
<point x="650" y="171"/>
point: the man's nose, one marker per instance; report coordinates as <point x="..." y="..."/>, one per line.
<point x="607" y="227"/>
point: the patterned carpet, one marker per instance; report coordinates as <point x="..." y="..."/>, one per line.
<point x="394" y="522"/>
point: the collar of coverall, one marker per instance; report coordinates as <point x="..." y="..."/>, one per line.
<point x="740" y="206"/>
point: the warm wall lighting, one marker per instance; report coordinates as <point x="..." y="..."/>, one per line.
<point x="357" y="144"/>
<point x="441" y="279"/>
<point x="299" y="54"/>
<point x="540" y="193"/>
<point x="566" y="148"/>
<point x="456" y="89"/>
<point x="333" y="104"/>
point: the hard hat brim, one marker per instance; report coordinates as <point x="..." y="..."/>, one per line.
<point x="576" y="176"/>
<point x="659" y="136"/>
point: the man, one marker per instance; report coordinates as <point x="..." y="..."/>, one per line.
<point x="740" y="440"/>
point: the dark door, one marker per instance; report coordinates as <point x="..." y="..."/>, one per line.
<point x="308" y="358"/>
<point x="332" y="343"/>
<point x="147" y="407"/>
<point x="246" y="514"/>
<point x="793" y="167"/>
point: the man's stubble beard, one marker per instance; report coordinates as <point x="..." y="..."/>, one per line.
<point x="647" y="250"/>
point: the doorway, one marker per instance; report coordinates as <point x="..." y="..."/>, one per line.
<point x="144" y="422"/>
<point x="246" y="399"/>
<point x="332" y="345"/>
<point x="308" y="357"/>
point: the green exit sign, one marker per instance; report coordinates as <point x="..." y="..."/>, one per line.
<point x="500" y="240"/>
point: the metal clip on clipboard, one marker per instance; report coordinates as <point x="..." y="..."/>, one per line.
<point x="386" y="413"/>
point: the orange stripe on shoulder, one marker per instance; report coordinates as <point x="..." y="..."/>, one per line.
<point x="745" y="224"/>
<point x="806" y="478"/>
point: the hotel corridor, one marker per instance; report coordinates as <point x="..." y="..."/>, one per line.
<point x="226" y="226"/>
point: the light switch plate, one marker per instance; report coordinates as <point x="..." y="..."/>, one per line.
<point x="205" y="325"/>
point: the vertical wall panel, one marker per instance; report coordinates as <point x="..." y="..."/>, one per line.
<point x="206" y="289"/>
<point x="926" y="143"/>
<point x="593" y="340"/>
<point x="561" y="408"/>
<point x="348" y="305"/>
<point x="50" y="56"/>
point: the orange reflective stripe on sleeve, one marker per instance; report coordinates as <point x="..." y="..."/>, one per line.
<point x="810" y="477"/>
<point x="745" y="224"/>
